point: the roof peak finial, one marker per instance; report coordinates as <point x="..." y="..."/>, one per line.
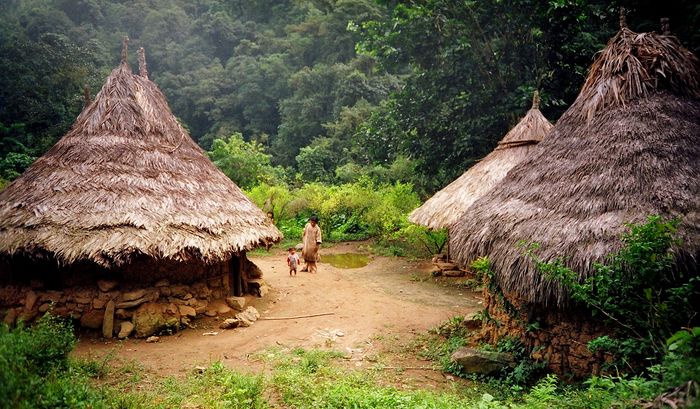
<point x="536" y="100"/>
<point x="623" y="18"/>
<point x="665" y="26"/>
<point x="125" y="49"/>
<point x="143" y="67"/>
<point x="87" y="99"/>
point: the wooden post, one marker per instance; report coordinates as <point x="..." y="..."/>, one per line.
<point x="235" y="276"/>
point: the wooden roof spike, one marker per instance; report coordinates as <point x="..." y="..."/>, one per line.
<point x="143" y="67"/>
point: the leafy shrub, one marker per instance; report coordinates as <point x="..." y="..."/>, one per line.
<point x="35" y="371"/>
<point x="351" y="211"/>
<point x="638" y="291"/>
<point x="246" y="163"/>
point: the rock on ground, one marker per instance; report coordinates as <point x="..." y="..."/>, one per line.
<point x="481" y="362"/>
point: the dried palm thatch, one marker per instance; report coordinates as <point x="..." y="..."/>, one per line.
<point x="450" y="203"/>
<point x="127" y="180"/>
<point x="628" y="147"/>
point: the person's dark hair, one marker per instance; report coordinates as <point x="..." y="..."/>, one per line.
<point x="291" y="248"/>
<point x="313" y="218"/>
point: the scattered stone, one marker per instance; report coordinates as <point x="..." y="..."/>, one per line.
<point x="44" y="307"/>
<point x="152" y="339"/>
<point x="165" y="291"/>
<point x="187" y="296"/>
<point x="108" y="321"/>
<point x="299" y="247"/>
<point x="435" y="271"/>
<point x="187" y="311"/>
<point x="453" y="273"/>
<point x="210" y="333"/>
<point x="210" y="313"/>
<point x="92" y="319"/>
<point x="248" y="317"/>
<point x="237" y="303"/>
<point x="162" y="283"/>
<point x="133" y="295"/>
<point x="30" y="300"/>
<point x="481" y="362"/>
<point x="107" y="285"/>
<point x="125" y="329"/>
<point x="229" y="323"/>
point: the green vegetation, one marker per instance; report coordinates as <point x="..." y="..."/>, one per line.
<point x="639" y="292"/>
<point x="411" y="92"/>
<point x="351" y="211"/>
<point x="36" y="373"/>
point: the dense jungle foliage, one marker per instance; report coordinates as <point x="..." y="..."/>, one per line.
<point x="332" y="90"/>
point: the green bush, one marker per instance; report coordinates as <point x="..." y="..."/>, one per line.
<point x="351" y="211"/>
<point x="638" y="291"/>
<point x="35" y="371"/>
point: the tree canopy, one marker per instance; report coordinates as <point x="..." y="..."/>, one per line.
<point x="330" y="89"/>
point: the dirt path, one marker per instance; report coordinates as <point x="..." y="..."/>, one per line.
<point x="389" y="298"/>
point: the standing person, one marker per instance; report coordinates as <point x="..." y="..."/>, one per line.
<point x="311" y="239"/>
<point x="292" y="261"/>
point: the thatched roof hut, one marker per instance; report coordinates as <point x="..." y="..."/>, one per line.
<point x="628" y="147"/>
<point x="127" y="180"/>
<point x="450" y="203"/>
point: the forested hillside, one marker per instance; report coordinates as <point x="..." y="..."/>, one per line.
<point x="328" y="90"/>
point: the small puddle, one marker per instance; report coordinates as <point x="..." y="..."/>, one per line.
<point x="346" y="260"/>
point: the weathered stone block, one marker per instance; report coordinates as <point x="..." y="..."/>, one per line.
<point x="481" y="362"/>
<point x="151" y="318"/>
<point x="92" y="319"/>
<point x="107" y="285"/>
<point x="30" y="300"/>
<point x="229" y="323"/>
<point x="125" y="329"/>
<point x="108" y="321"/>
<point x="237" y="303"/>
<point x="187" y="311"/>
<point x="133" y="295"/>
<point x="453" y="273"/>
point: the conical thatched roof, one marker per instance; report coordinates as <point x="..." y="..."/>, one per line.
<point x="128" y="180"/>
<point x="628" y="147"/>
<point x="450" y="203"/>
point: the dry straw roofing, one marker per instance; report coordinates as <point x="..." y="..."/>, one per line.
<point x="450" y="203"/>
<point x="127" y="180"/>
<point x="627" y="148"/>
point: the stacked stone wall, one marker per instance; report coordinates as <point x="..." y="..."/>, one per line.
<point x="555" y="336"/>
<point x="139" y="300"/>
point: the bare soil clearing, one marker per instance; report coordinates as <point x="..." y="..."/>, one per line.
<point x="376" y="310"/>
